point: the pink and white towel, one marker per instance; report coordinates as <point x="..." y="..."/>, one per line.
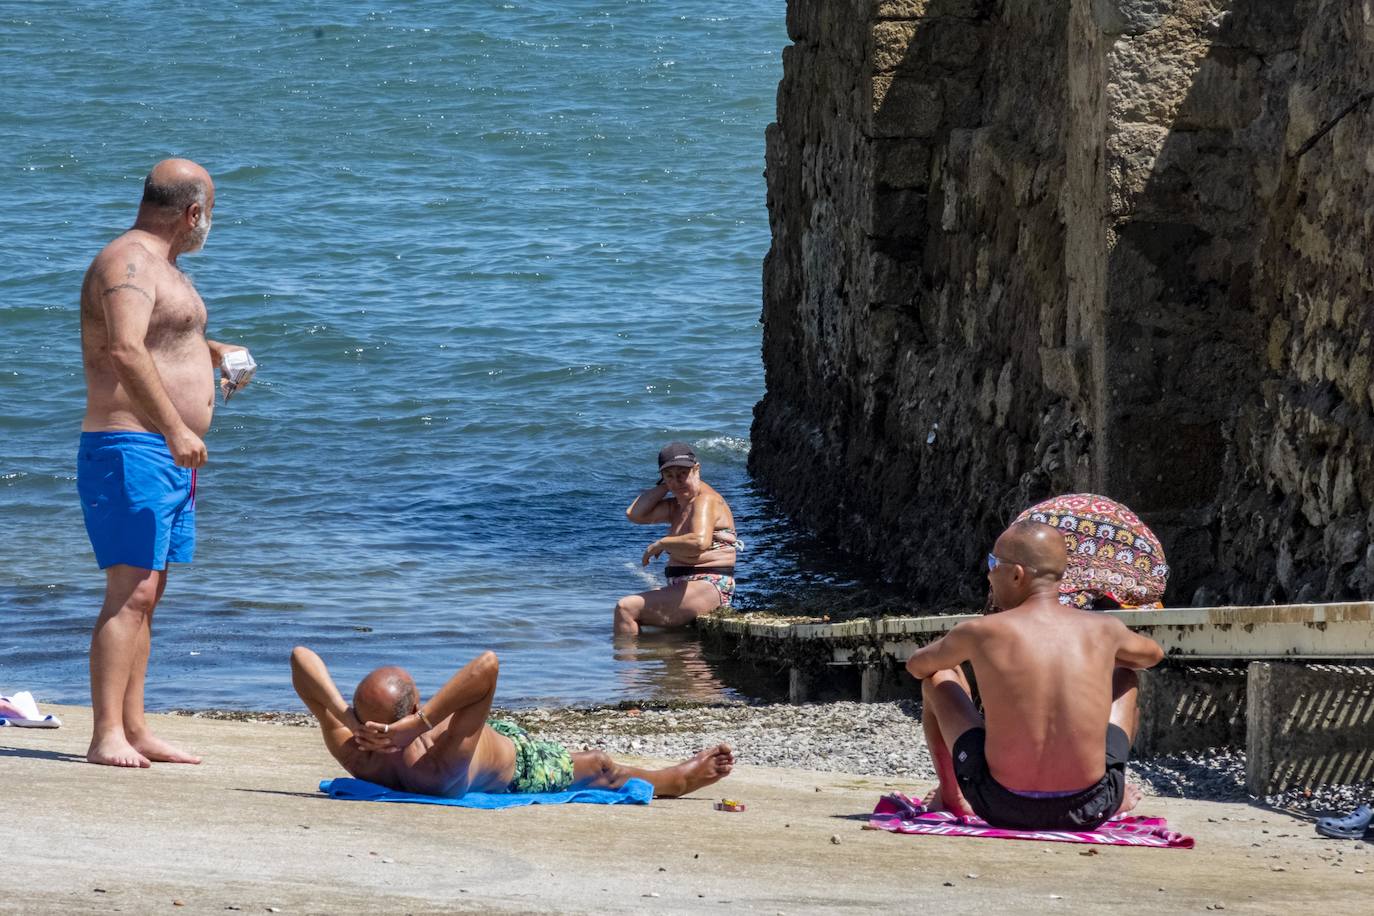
<point x="898" y="814"/>
<point x="22" y="711"/>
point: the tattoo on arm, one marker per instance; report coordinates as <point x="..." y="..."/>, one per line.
<point x="137" y="289"/>
<point x="131" y="271"/>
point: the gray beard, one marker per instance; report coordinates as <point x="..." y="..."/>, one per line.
<point x="196" y="240"/>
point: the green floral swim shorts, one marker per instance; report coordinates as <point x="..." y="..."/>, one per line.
<point x="540" y="766"/>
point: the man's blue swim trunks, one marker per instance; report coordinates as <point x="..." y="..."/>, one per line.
<point x="140" y="507"/>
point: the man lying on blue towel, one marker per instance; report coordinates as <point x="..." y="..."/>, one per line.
<point x="446" y="746"/>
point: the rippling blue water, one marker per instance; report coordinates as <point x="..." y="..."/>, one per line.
<point x="489" y="257"/>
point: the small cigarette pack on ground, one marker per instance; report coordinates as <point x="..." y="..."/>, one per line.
<point x="238" y="368"/>
<point x="729" y="804"/>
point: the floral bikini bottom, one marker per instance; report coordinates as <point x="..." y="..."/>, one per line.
<point x="724" y="585"/>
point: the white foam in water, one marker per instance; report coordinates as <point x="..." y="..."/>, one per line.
<point x="645" y="575"/>
<point x="732" y="446"/>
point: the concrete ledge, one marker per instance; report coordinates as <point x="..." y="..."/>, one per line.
<point x="1343" y="631"/>
<point x="1325" y="631"/>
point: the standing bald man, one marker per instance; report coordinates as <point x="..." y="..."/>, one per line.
<point x="150" y="393"/>
<point x="1058" y="687"/>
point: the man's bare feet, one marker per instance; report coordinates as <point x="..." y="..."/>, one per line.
<point x="934" y="801"/>
<point x="1130" y="798"/>
<point x="115" y="751"/>
<point x="711" y="765"/>
<point x="154" y="748"/>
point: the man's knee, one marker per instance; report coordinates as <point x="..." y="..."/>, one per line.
<point x="930" y="690"/>
<point x="606" y="770"/>
<point x="627" y="608"/>
<point x="944" y="676"/>
<point x="141" y="599"/>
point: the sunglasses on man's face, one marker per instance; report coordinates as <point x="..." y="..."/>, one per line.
<point x="995" y="561"/>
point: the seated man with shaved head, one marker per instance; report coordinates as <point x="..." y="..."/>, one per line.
<point x="446" y="746"/>
<point x="1058" y="687"/>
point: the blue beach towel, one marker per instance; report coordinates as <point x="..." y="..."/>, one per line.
<point x="634" y="792"/>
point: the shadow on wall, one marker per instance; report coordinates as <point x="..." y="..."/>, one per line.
<point x="1233" y="430"/>
<point x="1188" y="170"/>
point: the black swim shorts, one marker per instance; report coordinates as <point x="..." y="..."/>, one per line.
<point x="1002" y="807"/>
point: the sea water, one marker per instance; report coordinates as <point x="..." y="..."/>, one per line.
<point x="489" y="257"/>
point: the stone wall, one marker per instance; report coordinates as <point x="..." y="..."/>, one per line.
<point x="1297" y="511"/>
<point x="1022" y="248"/>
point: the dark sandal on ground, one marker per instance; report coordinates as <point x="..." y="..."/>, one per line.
<point x="1350" y="827"/>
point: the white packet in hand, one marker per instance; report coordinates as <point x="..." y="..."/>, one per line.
<point x="237" y="369"/>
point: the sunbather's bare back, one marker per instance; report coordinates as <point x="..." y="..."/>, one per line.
<point x="1044" y="673"/>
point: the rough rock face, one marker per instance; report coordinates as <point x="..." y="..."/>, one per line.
<point x="1022" y="248"/>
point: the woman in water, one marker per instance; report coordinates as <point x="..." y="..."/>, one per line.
<point x="701" y="546"/>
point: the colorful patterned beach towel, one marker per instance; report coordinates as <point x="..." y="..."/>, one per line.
<point x="898" y="814"/>
<point x="1114" y="558"/>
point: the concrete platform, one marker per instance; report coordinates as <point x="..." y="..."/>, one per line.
<point x="247" y="831"/>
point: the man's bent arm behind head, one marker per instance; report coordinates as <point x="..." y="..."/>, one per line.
<point x="468" y="695"/>
<point x="474" y="683"/>
<point x="338" y="724"/>
<point x="311" y="679"/>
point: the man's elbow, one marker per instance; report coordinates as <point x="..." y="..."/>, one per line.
<point x="489" y="664"/>
<point x="123" y="363"/>
<point x="126" y="353"/>
<point x="1144" y="659"/>
<point x="302" y="658"/>
<point x="488" y="671"/>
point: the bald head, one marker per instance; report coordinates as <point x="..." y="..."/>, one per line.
<point x="1030" y="562"/>
<point x="175" y="184"/>
<point x="1034" y="545"/>
<point x="385" y="695"/>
